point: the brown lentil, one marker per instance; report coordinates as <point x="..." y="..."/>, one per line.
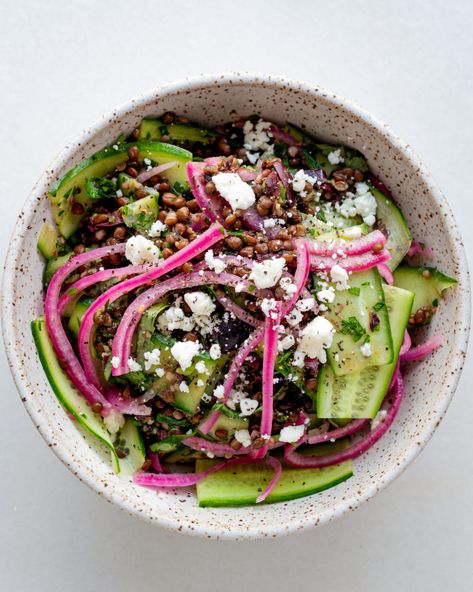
<point x="230" y="220"/>
<point x="183" y="213"/>
<point x="234" y="242"/>
<point x="247" y="252"/>
<point x="97" y="407"/>
<point x="221" y="434"/>
<point x="119" y="233"/>
<point x="77" y="208"/>
<point x="140" y="194"/>
<point x="292" y="151"/>
<point x="275" y="245"/>
<point x="210" y="188"/>
<point x="168" y="118"/>
<point x="261" y="248"/>
<point x="132" y="171"/>
<point x="180" y="228"/>
<point x="166" y="253"/>
<point x="133" y="153"/>
<point x="193" y="205"/>
<point x="171" y="219"/>
<point x="123" y="201"/>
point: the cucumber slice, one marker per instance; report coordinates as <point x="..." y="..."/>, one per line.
<point x="360" y="394"/>
<point x="47" y="241"/>
<point x="130" y="442"/>
<point x="180" y="133"/>
<point x="390" y="220"/>
<point x="161" y="153"/>
<point x="141" y="214"/>
<point x="77" y="313"/>
<point x="229" y="421"/>
<point x="52" y="265"/>
<point x="240" y="485"/>
<point x="70" y="189"/>
<point x="351" y="313"/>
<point x="66" y="393"/>
<point x="427" y="283"/>
<point x="146" y="329"/>
<point x="189" y="401"/>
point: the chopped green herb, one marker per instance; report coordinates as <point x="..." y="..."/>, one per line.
<point x="100" y="188"/>
<point x="353" y="327"/>
<point x="355" y="291"/>
<point x="378" y="306"/>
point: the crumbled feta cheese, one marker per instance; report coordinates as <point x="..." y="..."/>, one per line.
<point x="272" y="222"/>
<point x="315" y="337"/>
<point x="183" y="387"/>
<point x="114" y="421"/>
<point x="133" y="365"/>
<point x="291" y="434"/>
<point x="215" y="351"/>
<point x="256" y="137"/>
<point x="340" y="277"/>
<point x="156" y="229"/>
<point x="115" y="362"/>
<point x="239" y="287"/>
<point x="248" y="407"/>
<point x="268" y="306"/>
<point x="206" y="398"/>
<point x="213" y="262"/>
<point x="147" y="161"/>
<point x="201" y="368"/>
<point x="234" y="398"/>
<point x="252" y="158"/>
<point x="288" y="286"/>
<point x="200" y="382"/>
<point x="363" y="204"/>
<point x="294" y="317"/>
<point x="351" y="233"/>
<point x="219" y="392"/>
<point x="174" y="318"/>
<point x="335" y="157"/>
<point x="141" y="250"/>
<point x="152" y="358"/>
<point x="119" y="193"/>
<point x="286" y="342"/>
<point x="379" y="419"/>
<point x="234" y="190"/>
<point x="305" y="304"/>
<point x="184" y="351"/>
<point x="299" y="180"/>
<point x="326" y="295"/>
<point x="268" y="273"/>
<point x="366" y="349"/>
<point x="243" y="436"/>
<point x="200" y="303"/>
<point x="160" y="372"/>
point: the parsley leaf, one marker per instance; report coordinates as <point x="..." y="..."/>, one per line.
<point x="353" y="327"/>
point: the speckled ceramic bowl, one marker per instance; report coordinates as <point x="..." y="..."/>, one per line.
<point x="429" y="385"/>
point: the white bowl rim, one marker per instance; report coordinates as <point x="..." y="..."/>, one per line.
<point x="236" y="79"/>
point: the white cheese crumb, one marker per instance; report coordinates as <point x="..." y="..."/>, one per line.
<point x="141" y="250"/>
<point x="119" y="193"/>
<point x="115" y="362"/>
<point x="291" y="434"/>
<point x="215" y="351"/>
<point x="184" y="352"/>
<point x="340" y="277"/>
<point x="315" y="337"/>
<point x="351" y="233"/>
<point x="114" y="421"/>
<point x="335" y="157"/>
<point x="299" y="180"/>
<point x="256" y="137"/>
<point x="239" y="287"/>
<point x="213" y="262"/>
<point x="268" y="273"/>
<point x="200" y="303"/>
<point x="248" y="407"/>
<point x="174" y="318"/>
<point x="288" y="286"/>
<point x="183" y="387"/>
<point x="233" y="189"/>
<point x="379" y="419"/>
<point x="219" y="392"/>
<point x="156" y="229"/>
<point x="366" y="349"/>
<point x="152" y="358"/>
<point x="326" y="295"/>
<point x="133" y="365"/>
<point x="200" y="382"/>
<point x="294" y="317"/>
<point x="267" y="306"/>
<point x="206" y="398"/>
<point x="286" y="343"/>
<point x="160" y="372"/>
<point x="201" y="368"/>
<point x="362" y="204"/>
<point x="243" y="436"/>
<point x="305" y="304"/>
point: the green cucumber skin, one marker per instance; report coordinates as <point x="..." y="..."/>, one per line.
<point x="426" y="290"/>
<point x="391" y="220"/>
<point x="350" y="357"/>
<point x="52" y="265"/>
<point x="47" y="241"/>
<point x="129" y="439"/>
<point x="66" y="394"/>
<point x="399" y="303"/>
<point x="150" y="130"/>
<point x="163" y="153"/>
<point x="228" y="487"/>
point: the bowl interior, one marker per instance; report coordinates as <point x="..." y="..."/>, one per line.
<point x="429" y="385"/>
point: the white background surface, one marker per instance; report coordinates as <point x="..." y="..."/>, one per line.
<point x="64" y="63"/>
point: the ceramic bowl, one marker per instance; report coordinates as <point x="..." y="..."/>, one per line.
<point x="429" y="385"/>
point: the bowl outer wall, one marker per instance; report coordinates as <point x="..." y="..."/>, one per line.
<point x="429" y="386"/>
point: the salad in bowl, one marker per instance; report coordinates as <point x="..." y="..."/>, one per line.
<point x="231" y="308"/>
